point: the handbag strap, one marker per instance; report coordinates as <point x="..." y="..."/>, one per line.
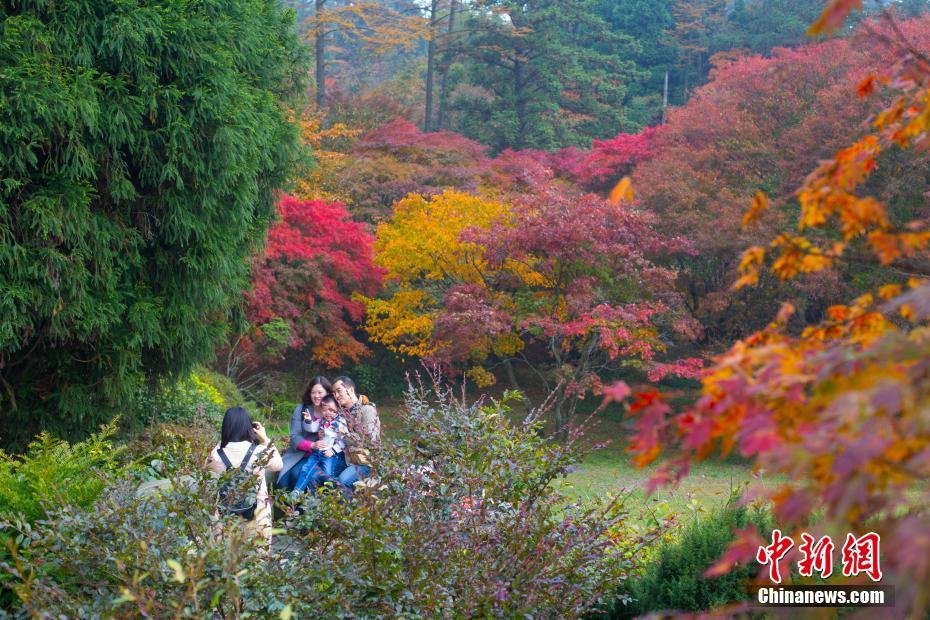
<point x="248" y="455"/>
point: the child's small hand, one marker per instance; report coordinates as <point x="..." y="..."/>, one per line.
<point x="328" y="453"/>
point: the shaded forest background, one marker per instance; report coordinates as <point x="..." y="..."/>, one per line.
<point x="443" y="120"/>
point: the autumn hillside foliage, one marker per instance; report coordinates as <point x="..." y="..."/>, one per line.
<point x="761" y="124"/>
<point x="398" y="159"/>
<point x="371" y="170"/>
<point x="841" y="408"/>
<point x="600" y="167"/>
<point x="320" y="254"/>
<point x="758" y="126"/>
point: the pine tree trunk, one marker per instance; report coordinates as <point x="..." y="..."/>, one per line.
<point x="447" y="63"/>
<point x="520" y="141"/>
<point x="320" y="47"/>
<point x="430" y="66"/>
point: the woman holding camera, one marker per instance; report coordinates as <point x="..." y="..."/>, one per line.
<point x="241" y="439"/>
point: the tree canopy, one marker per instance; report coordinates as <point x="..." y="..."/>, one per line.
<point x="302" y="287"/>
<point x="555" y="282"/>
<point x="550" y="73"/>
<point x="839" y="408"/>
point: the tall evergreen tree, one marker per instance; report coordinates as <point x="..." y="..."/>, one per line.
<point x="549" y="73"/>
<point x="141" y="144"/>
<point x="697" y="24"/>
<point x="647" y="21"/>
<point x="760" y="25"/>
<point x="703" y="28"/>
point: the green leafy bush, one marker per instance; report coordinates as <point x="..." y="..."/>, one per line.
<point x="164" y="555"/>
<point x="192" y="398"/>
<point x="673" y="579"/>
<point x="463" y="521"/>
<point x="170" y="450"/>
<point x="228" y="391"/>
<point x="52" y="476"/>
<point x="378" y="381"/>
<point x="53" y="472"/>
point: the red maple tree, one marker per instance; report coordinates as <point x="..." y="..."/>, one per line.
<point x="302" y="285"/>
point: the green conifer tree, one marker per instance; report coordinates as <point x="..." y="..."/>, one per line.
<point x="549" y="73"/>
<point x="141" y="144"/>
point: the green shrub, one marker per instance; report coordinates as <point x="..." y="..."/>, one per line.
<point x="673" y="579"/>
<point x="225" y="387"/>
<point x="464" y="521"/>
<point x="376" y="382"/>
<point x="275" y="394"/>
<point x="278" y="411"/>
<point x="164" y="555"/>
<point x="54" y="472"/>
<point x="169" y="450"/>
<point x="53" y="476"/>
<point x="192" y="398"/>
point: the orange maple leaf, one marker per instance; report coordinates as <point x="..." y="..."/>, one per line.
<point x="867" y="86"/>
<point x="759" y="205"/>
<point x="833" y="16"/>
<point x="623" y="190"/>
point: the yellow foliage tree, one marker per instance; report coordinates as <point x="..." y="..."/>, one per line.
<point x="329" y="146"/>
<point x="422" y="241"/>
<point x="403" y="323"/>
<point x="472" y="281"/>
<point x="421" y="248"/>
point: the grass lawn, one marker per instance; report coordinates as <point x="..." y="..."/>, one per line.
<point x="609" y="471"/>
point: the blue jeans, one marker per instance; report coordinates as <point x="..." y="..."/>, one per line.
<point x="288" y="479"/>
<point x="329" y="463"/>
<point x="353" y="473"/>
<point x="317" y="468"/>
<point x="309" y="470"/>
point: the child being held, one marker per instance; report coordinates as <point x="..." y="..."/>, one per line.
<point x="331" y="429"/>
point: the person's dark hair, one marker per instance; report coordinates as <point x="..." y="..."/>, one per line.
<point x="346" y="381"/>
<point x="237" y="426"/>
<point x="329" y="399"/>
<point x="317" y="380"/>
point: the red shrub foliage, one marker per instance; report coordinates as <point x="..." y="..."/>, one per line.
<point x="606" y="162"/>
